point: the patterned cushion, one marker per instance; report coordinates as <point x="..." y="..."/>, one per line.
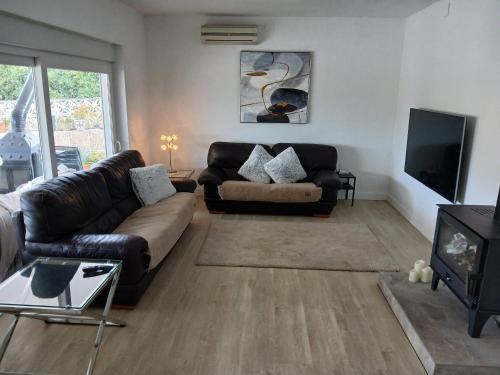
<point x="151" y="184"/>
<point x="285" y="168"/>
<point x="253" y="168"/>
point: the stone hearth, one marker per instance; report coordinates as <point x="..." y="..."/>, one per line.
<point x="436" y="325"/>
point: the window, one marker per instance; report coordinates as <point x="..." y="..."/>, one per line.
<point x="20" y="148"/>
<point x="53" y="119"/>
<point x="77" y="102"/>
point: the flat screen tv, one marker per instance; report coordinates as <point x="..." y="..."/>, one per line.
<point x="434" y="150"/>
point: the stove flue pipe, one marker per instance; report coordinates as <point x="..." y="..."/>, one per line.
<point x="20" y="112"/>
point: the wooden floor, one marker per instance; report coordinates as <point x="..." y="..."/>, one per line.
<point x="229" y="321"/>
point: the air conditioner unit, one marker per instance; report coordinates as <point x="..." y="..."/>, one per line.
<point x="230" y="34"/>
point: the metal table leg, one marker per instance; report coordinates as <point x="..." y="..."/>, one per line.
<point x="89" y="319"/>
<point x="353" y="192"/>
<point x="102" y="324"/>
<point x="56" y="315"/>
<point x="8" y="336"/>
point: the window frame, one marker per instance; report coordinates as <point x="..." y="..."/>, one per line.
<point x="40" y="62"/>
<point x="9" y="59"/>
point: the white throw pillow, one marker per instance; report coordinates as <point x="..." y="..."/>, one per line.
<point x="285" y="168"/>
<point x="151" y="184"/>
<point x="253" y="168"/>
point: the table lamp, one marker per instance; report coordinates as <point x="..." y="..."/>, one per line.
<point x="168" y="143"/>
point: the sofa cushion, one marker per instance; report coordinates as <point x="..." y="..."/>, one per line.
<point x="230" y="155"/>
<point x="253" y="168"/>
<point x="278" y="193"/>
<point x="115" y="170"/>
<point x="312" y="156"/>
<point x="151" y="184"/>
<point x="285" y="168"/>
<point x="68" y="204"/>
<point x="160" y="224"/>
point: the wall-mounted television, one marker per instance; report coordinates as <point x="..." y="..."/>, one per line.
<point x="434" y="150"/>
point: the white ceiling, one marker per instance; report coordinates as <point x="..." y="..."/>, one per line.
<point x="290" y="8"/>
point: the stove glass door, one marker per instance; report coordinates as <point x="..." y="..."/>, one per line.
<point x="458" y="249"/>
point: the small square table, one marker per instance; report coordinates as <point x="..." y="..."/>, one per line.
<point x="57" y="290"/>
<point x="347" y="185"/>
<point x="182" y="174"/>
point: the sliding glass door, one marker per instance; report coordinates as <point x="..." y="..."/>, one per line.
<point x="78" y="103"/>
<point x="50" y="117"/>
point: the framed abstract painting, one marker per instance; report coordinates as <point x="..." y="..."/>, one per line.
<point x="274" y="87"/>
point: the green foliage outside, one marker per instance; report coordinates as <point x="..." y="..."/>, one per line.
<point x="63" y="84"/>
<point x="70" y="84"/>
<point x="11" y="81"/>
<point x="91" y="157"/>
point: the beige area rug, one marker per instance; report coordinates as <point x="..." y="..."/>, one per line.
<point x="321" y="246"/>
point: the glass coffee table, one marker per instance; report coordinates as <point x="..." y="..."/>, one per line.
<point x="60" y="290"/>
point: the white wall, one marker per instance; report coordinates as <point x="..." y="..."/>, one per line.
<point x="452" y="64"/>
<point x="113" y="22"/>
<point x="194" y="89"/>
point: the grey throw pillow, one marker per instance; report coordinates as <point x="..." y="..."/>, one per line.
<point x="151" y="184"/>
<point x="253" y="168"/>
<point x="285" y="168"/>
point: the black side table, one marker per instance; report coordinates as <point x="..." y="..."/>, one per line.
<point x="347" y="185"/>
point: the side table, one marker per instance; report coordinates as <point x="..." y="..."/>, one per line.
<point x="59" y="290"/>
<point x="347" y="185"/>
<point x="181" y="174"/>
<point x="182" y="180"/>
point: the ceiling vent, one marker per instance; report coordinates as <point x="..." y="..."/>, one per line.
<point x="230" y="34"/>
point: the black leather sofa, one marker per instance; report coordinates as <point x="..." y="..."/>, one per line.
<point x="74" y="216"/>
<point x="225" y="159"/>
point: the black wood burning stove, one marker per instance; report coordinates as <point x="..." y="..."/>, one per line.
<point x="466" y="257"/>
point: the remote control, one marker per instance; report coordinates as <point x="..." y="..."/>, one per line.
<point x="97" y="268"/>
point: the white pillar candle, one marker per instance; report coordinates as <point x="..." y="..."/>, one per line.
<point x="419" y="265"/>
<point x="426" y="275"/>
<point x="414" y="276"/>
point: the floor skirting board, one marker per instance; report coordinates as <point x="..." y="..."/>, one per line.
<point x="366" y="195"/>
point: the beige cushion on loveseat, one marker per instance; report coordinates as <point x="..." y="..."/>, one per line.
<point x="161" y="224"/>
<point x="277" y="193"/>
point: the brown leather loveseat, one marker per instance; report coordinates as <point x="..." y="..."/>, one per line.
<point x="226" y="191"/>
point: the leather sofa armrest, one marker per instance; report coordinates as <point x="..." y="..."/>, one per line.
<point x="184" y="186"/>
<point x="130" y="249"/>
<point x="19" y="229"/>
<point x="212" y="175"/>
<point x="327" y="178"/>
